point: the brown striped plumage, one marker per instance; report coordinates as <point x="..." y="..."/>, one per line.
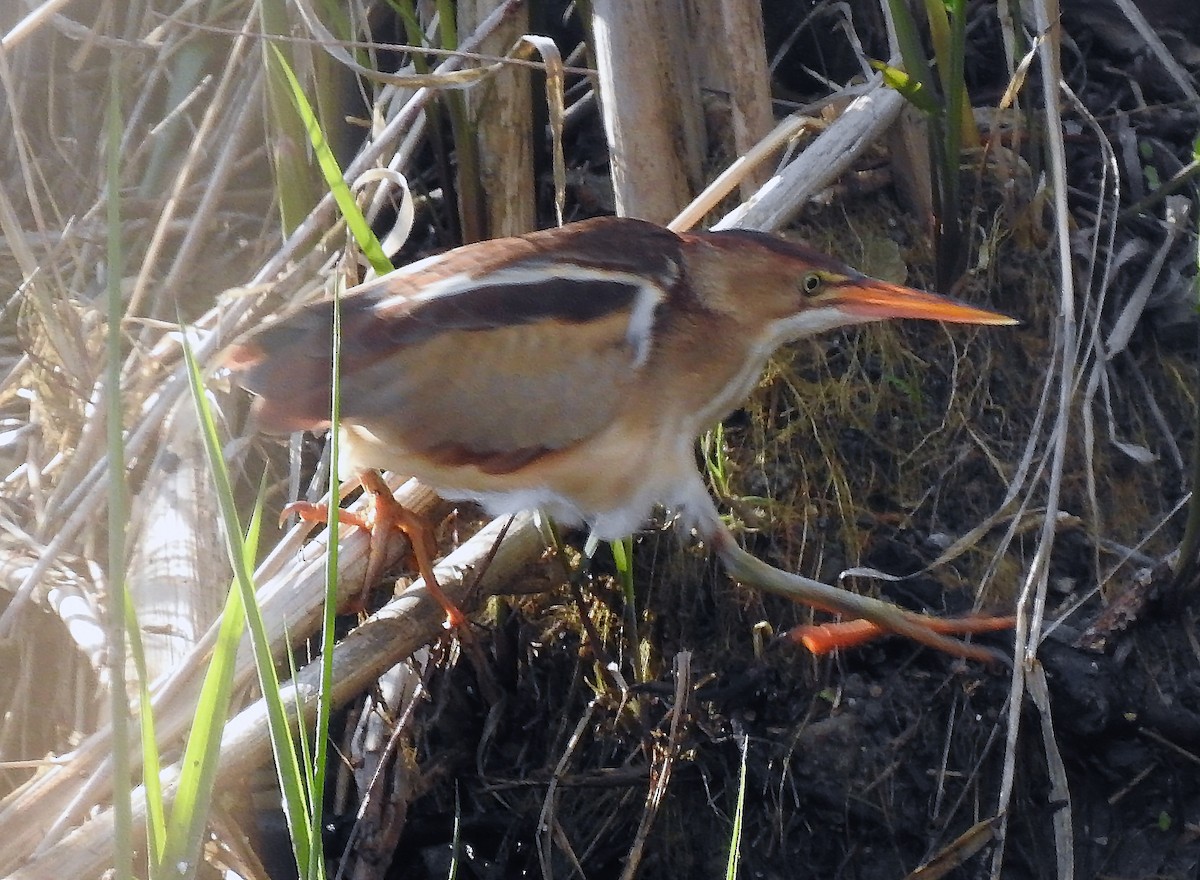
<point x="569" y="369"/>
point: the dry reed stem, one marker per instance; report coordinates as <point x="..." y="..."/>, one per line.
<point x="651" y="109"/>
<point x="734" y="68"/>
<point x="1063" y="376"/>
<point x="501" y="117"/>
<point x="782" y="197"/>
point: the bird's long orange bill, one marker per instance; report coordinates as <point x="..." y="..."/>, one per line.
<point x="871" y="298"/>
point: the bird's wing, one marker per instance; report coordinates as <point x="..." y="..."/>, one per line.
<point x="495" y="351"/>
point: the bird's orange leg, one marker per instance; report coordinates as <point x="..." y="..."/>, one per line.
<point x="872" y="617"/>
<point x="822" y="638"/>
<point x="385" y="515"/>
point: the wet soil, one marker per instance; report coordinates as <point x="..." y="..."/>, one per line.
<point x="864" y="765"/>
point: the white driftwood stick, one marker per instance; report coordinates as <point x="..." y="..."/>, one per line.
<point x="783" y="196"/>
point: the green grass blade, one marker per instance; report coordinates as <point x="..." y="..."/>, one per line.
<point x="716" y="459"/>
<point x="156" y="823"/>
<point x="296" y="189"/>
<point x="939" y="37"/>
<point x="295" y="806"/>
<point x="413" y="34"/>
<point x="912" y="51"/>
<point x="317" y="768"/>
<point x="735" y="842"/>
<point x="332" y="172"/>
<point x="947" y="31"/>
<point x="912" y="90"/>
<point x="958" y="102"/>
<point x="447" y="24"/>
<point x="622" y="552"/>
<point x="197" y="778"/>
<point x="468" y="163"/>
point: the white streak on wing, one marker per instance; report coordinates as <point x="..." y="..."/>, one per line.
<point x="385" y="281"/>
<point x="442" y="287"/>
<point x="420" y="265"/>
<point x="640" y="334"/>
<point x="641" y="319"/>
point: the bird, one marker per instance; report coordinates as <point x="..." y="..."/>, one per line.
<point x="570" y="370"/>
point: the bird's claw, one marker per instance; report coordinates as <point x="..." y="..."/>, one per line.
<point x="826" y="637"/>
<point x="385" y="515"/>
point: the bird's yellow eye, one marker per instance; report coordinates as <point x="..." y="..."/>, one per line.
<point x="811" y="284"/>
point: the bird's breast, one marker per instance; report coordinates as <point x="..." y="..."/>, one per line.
<point x="610" y="480"/>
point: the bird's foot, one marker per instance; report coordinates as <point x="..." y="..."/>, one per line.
<point x="822" y="638"/>
<point x="870" y="618"/>
<point x="386" y="516"/>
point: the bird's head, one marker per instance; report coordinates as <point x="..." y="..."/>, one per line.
<point x="791" y="291"/>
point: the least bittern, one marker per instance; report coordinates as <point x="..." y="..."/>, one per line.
<point x="571" y="370"/>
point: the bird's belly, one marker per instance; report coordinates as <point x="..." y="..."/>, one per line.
<point x="610" y="481"/>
